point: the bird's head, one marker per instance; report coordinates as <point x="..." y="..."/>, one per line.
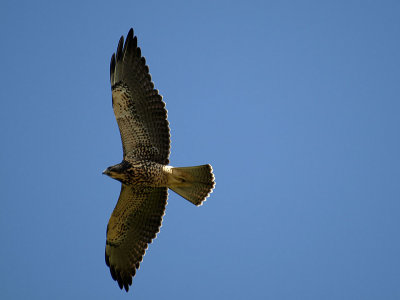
<point x="117" y="172"/>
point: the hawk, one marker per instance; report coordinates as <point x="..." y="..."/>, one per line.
<point x="144" y="172"/>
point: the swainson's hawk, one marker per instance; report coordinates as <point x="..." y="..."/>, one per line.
<point x="144" y="172"/>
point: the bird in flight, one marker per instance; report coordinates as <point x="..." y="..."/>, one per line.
<point x="144" y="172"/>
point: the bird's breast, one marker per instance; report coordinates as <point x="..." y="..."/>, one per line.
<point x="146" y="173"/>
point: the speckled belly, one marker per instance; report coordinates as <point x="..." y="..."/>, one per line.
<point x="147" y="173"/>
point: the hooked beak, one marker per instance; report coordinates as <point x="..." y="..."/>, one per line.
<point x="105" y="172"/>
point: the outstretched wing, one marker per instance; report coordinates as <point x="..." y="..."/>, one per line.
<point x="138" y="108"/>
<point x="133" y="224"/>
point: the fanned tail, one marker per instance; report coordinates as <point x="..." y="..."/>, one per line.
<point x="193" y="183"/>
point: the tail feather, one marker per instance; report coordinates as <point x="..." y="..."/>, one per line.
<point x="193" y="183"/>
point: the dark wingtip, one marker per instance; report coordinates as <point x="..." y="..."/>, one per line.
<point x="119" y="49"/>
<point x="113" y="274"/>
<point x="121" y="286"/>
<point x="124" y="280"/>
<point x="132" y="38"/>
<point x="112" y="65"/>
<point x="135" y="42"/>
<point x="130" y="34"/>
<point x="128" y="43"/>
<point x="126" y="286"/>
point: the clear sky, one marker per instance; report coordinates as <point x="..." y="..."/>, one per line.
<point x="296" y="104"/>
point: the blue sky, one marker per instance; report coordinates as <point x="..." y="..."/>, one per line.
<point x="296" y="105"/>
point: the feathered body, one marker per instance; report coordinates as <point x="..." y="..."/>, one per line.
<point x="144" y="172"/>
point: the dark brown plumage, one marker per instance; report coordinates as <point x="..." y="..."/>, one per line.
<point x="144" y="172"/>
